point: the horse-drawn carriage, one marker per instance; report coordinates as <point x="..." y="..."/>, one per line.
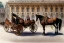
<point x="18" y="24"/>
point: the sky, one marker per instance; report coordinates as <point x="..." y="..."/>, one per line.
<point x="4" y="1"/>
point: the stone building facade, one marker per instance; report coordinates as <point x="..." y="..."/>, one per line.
<point x="2" y="12"/>
<point x="53" y="8"/>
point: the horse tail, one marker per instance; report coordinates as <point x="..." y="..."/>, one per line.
<point x="60" y="24"/>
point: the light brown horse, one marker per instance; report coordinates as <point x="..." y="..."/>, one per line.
<point x="48" y="20"/>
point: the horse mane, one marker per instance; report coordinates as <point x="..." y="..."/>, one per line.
<point x="41" y="16"/>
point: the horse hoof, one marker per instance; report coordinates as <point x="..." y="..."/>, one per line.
<point x="18" y="34"/>
<point x="56" y="33"/>
<point x="43" y="34"/>
<point x="33" y="32"/>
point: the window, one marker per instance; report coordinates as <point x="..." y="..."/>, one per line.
<point x="51" y="9"/>
<point x="45" y="9"/>
<point x="32" y="16"/>
<point x="56" y="9"/>
<point x="27" y="9"/>
<point x="28" y="17"/>
<point x="61" y="9"/>
<point x="17" y="9"/>
<point x="57" y="15"/>
<point x="22" y="9"/>
<point x="2" y="15"/>
<point x="22" y="16"/>
<point x="27" y="13"/>
<point x="62" y="15"/>
<point x="51" y="15"/>
<point x="38" y="10"/>
<point x="32" y="9"/>
<point x="42" y="9"/>
<point x="12" y="8"/>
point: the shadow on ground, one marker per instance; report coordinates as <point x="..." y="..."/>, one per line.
<point x="52" y="34"/>
<point x="39" y="33"/>
<point x="31" y="34"/>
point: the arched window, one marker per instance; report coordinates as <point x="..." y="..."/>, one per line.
<point x="22" y="16"/>
<point x="23" y="9"/>
<point x="56" y="9"/>
<point x="27" y="9"/>
<point x="38" y="9"/>
<point x="17" y="9"/>
<point x="27" y="17"/>
<point x="62" y="16"/>
<point x="12" y="8"/>
<point x="51" y="15"/>
<point x="32" y="9"/>
<point x="61" y="9"/>
<point x="51" y="9"/>
<point x="56" y="15"/>
<point x="32" y="16"/>
<point x="45" y="9"/>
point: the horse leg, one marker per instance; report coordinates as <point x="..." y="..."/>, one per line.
<point x="56" y="30"/>
<point x="44" y="29"/>
<point x="60" y="24"/>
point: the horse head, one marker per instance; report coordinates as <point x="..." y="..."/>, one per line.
<point x="36" y="17"/>
<point x="40" y="17"/>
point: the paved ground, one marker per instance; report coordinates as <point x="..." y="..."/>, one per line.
<point x="27" y="36"/>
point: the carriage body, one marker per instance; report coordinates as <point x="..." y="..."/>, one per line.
<point x="18" y="26"/>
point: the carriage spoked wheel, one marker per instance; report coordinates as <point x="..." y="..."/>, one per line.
<point x="19" y="30"/>
<point x="33" y="28"/>
<point x="6" y="28"/>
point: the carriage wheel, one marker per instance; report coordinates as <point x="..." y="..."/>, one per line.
<point x="6" y="28"/>
<point x="19" y="30"/>
<point x="33" y="28"/>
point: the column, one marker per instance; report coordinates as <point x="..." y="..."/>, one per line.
<point x="8" y="12"/>
<point x="35" y="13"/>
<point x="30" y="9"/>
<point x="49" y="11"/>
<point x="35" y="10"/>
<point x="63" y="12"/>
<point x="19" y="11"/>
<point x="30" y="12"/>
<point x="15" y="9"/>
<point x="41" y="10"/>
<point x="54" y="11"/>
<point x="25" y="12"/>
<point x="10" y="15"/>
<point x="59" y="11"/>
<point x="63" y="8"/>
